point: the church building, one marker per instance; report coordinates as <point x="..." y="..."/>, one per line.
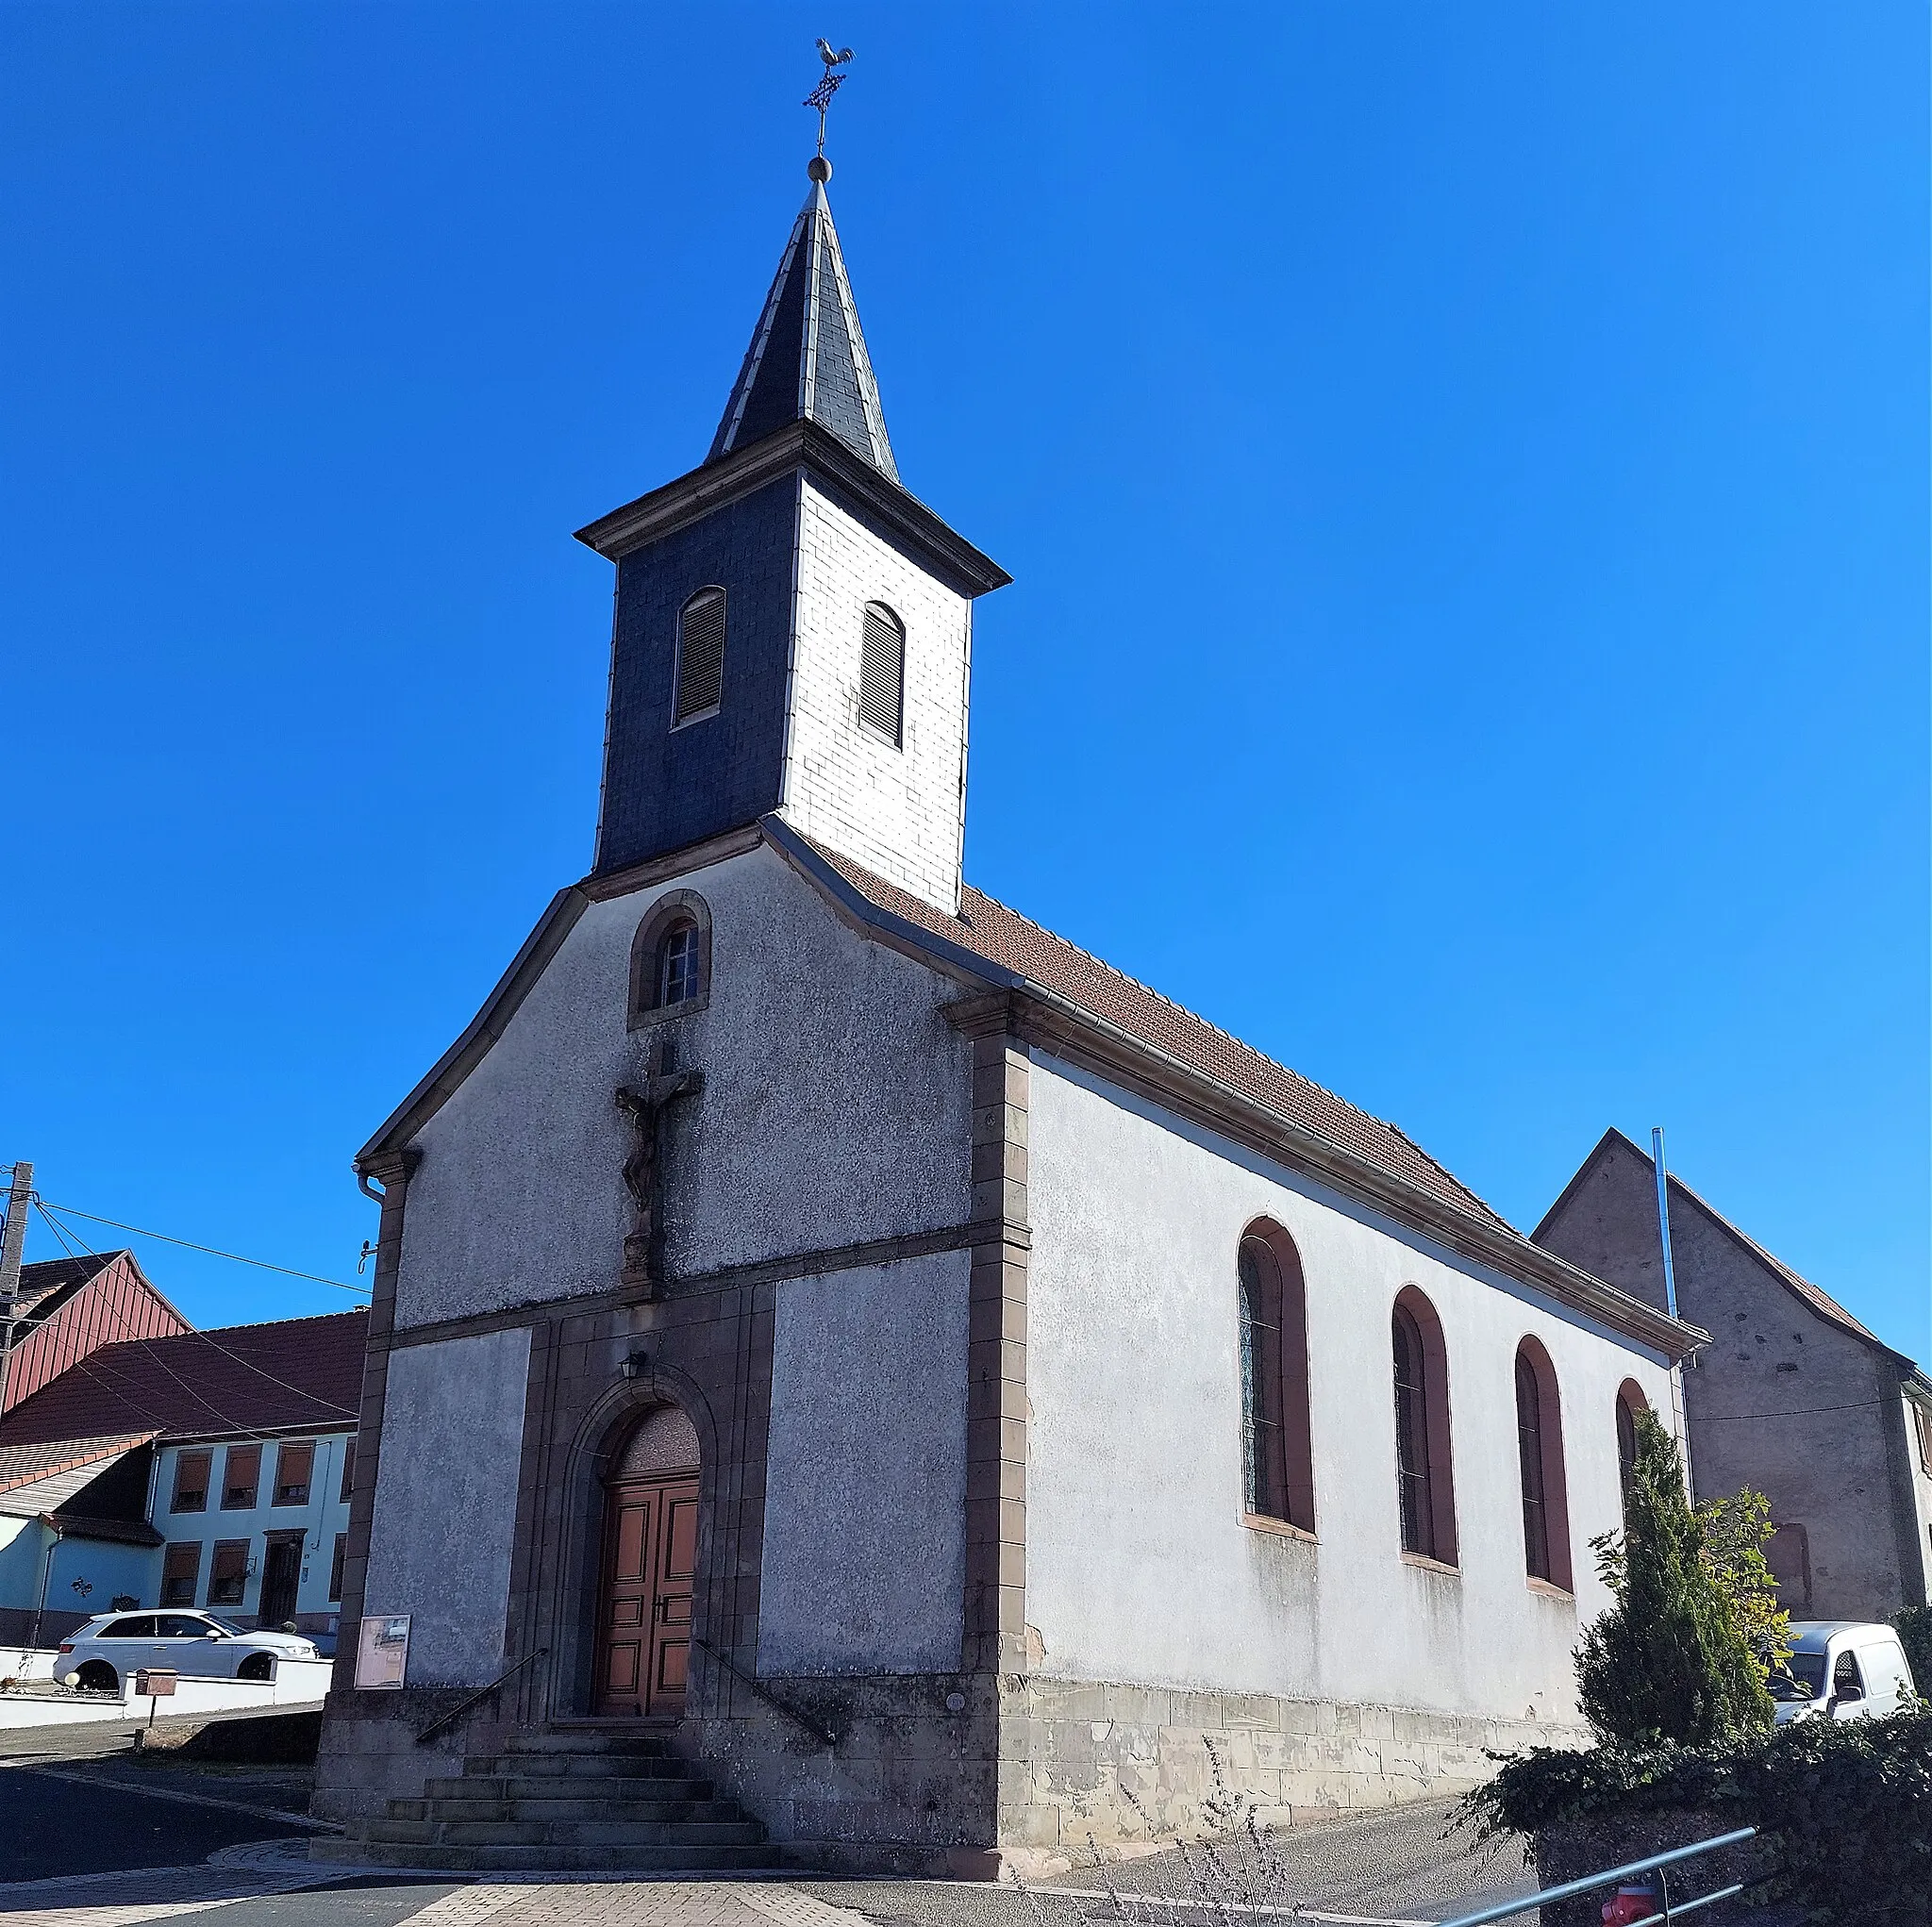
<point x="854" y="1379"/>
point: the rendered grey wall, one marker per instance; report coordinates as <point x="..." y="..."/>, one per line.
<point x="1139" y="1567"/>
<point x="446" y="1501"/>
<point x="1781" y="1400"/>
<point x="865" y="1482"/>
<point x="813" y="1038"/>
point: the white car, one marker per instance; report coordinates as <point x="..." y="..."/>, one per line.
<point x="113" y="1647"/>
<point x="1841" y="1669"/>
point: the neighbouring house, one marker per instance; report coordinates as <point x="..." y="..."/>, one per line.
<point x="71" y="1306"/>
<point x="207" y="1469"/>
<point x="814" y="1299"/>
<point x="1792" y="1396"/>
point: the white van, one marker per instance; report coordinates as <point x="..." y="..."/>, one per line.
<point x="1840" y="1670"/>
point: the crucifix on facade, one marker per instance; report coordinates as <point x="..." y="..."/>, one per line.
<point x="644" y="1169"/>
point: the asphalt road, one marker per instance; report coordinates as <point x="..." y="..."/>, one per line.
<point x="51" y="1826"/>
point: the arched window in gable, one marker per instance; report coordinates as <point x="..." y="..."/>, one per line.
<point x="700" y="681"/>
<point x="1539" y="1461"/>
<point x="1424" y="1473"/>
<point x="1278" y="1480"/>
<point x="670" y="959"/>
<point x="882" y="674"/>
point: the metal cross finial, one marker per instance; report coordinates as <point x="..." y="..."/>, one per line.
<point x="820" y="95"/>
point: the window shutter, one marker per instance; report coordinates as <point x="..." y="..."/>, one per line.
<point x="700" y="654"/>
<point x="882" y="673"/>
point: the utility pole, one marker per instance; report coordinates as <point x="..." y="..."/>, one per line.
<point x="12" y="1242"/>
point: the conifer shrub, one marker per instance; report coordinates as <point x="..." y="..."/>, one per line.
<point x="1682" y="1653"/>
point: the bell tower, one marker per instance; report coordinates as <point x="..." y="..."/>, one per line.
<point x="793" y="629"/>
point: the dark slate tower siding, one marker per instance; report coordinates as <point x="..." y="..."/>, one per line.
<point x="666" y="788"/>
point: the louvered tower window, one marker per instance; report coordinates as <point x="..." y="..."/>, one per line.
<point x="700" y="656"/>
<point x="882" y="674"/>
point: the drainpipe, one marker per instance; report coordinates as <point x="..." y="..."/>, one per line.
<point x="53" y="1525"/>
<point x="1678" y="1413"/>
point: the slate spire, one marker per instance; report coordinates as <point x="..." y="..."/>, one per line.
<point x="807" y="360"/>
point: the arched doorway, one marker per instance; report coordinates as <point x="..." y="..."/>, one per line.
<point x="648" y="1569"/>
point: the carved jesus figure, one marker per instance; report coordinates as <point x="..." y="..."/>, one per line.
<point x="644" y="1169"/>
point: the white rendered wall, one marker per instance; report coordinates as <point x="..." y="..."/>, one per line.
<point x="447" y="1501"/>
<point x="897" y="811"/>
<point x="864" y="1560"/>
<point x="1138" y="1567"/>
<point x="813" y="1037"/>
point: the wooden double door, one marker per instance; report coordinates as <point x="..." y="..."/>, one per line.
<point x="649" y="1570"/>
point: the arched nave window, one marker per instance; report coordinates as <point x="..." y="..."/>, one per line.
<point x="1540" y="1459"/>
<point x="1277" y="1469"/>
<point x="1425" y="1482"/>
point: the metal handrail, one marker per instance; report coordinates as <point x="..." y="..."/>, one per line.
<point x="1571" y="1888"/>
<point x="824" y="1734"/>
<point x="482" y="1693"/>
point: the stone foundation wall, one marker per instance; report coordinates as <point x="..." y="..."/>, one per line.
<point x="910" y="1787"/>
<point x="1068" y="1749"/>
<point x="370" y="1755"/>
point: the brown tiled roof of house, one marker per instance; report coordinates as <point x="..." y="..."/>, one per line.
<point x="296" y="1374"/>
<point x="28" y="1464"/>
<point x="988" y="930"/>
<point x="46" y="1276"/>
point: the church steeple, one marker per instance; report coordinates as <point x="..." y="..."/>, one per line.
<point x="806" y="361"/>
<point x="793" y="631"/>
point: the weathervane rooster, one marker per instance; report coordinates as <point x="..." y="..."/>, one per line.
<point x="820" y="95"/>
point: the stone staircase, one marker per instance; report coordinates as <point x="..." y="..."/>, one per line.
<point x="563" y="1804"/>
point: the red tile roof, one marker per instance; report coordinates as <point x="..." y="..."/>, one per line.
<point x="298" y="1374"/>
<point x="988" y="930"/>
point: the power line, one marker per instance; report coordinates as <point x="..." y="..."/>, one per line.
<point x="214" y="1343"/>
<point x="187" y="1244"/>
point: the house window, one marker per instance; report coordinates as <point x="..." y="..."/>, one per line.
<point x="882" y="674"/>
<point x="1630" y="1400"/>
<point x="335" y="1568"/>
<point x="1539" y="1461"/>
<point x="240" y="1478"/>
<point x="348" y="1490"/>
<point x="180" y="1569"/>
<point x="670" y="959"/>
<point x="1424" y="1478"/>
<point x="294" y="1465"/>
<point x="1277" y="1474"/>
<point x="191" y="1481"/>
<point x="1921" y="1416"/>
<point x="700" y="656"/>
<point x="228" y="1573"/>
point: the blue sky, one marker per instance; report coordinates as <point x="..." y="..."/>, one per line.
<point x="1464" y="470"/>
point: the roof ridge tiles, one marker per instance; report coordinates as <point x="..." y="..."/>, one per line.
<point x="1228" y="1037"/>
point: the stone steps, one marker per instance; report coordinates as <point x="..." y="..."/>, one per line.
<point x="589" y="1766"/>
<point x="569" y="1803"/>
<point x="563" y="1803"/>
<point x="560" y="1833"/>
<point x="545" y="1859"/>
<point x="568" y="1786"/>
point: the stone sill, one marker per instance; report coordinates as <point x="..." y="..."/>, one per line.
<point x="1259" y="1521"/>
<point x="1548" y="1590"/>
<point x="1424" y="1563"/>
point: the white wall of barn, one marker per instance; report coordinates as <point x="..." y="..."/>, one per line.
<point x="836" y="1107"/>
<point x="1139" y="1567"/>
